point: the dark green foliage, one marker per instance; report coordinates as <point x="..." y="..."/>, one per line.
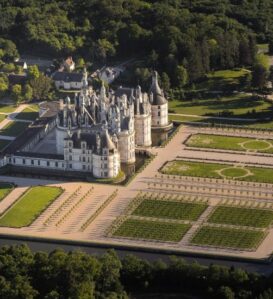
<point x="200" y="35"/>
<point x="76" y="275"/>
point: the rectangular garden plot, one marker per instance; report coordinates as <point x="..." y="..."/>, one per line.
<point x="242" y="216"/>
<point x="218" y="171"/>
<point x="228" y="237"/>
<point x="14" y="128"/>
<point x="5" y="189"/>
<point x="152" y="230"/>
<point x="230" y="143"/>
<point x="29" y="206"/>
<point x="170" y="209"/>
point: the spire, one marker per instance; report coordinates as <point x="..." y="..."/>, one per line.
<point x="155" y="89"/>
<point x="85" y="79"/>
<point x="102" y="90"/>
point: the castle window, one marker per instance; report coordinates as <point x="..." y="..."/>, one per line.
<point x="158" y="113"/>
<point x="83" y="167"/>
<point x="70" y="166"/>
<point x="158" y="107"/>
<point x="32" y="162"/>
<point x="24" y="161"/>
<point x="70" y="144"/>
<point x="70" y="158"/>
<point x="83" y="159"/>
<point x="47" y="163"/>
<point x="39" y="162"/>
<point x="105" y="173"/>
<point x="56" y="164"/>
<point x="83" y="151"/>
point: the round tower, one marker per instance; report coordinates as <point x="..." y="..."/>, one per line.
<point x="159" y="105"/>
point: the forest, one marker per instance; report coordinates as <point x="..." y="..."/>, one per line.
<point x="77" y="275"/>
<point x="183" y="39"/>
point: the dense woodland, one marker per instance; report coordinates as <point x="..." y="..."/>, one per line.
<point x="182" y="39"/>
<point x="76" y="275"/>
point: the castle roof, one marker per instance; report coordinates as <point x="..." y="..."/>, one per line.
<point x="157" y="94"/>
<point x="68" y="77"/>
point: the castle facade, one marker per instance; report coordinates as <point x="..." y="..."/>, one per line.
<point x="99" y="131"/>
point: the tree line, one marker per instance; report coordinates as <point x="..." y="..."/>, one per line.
<point x="76" y="275"/>
<point x="173" y="36"/>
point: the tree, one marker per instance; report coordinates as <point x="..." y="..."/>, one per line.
<point x="259" y="76"/>
<point x="165" y="82"/>
<point x="41" y="87"/>
<point x="3" y="84"/>
<point x="8" y="67"/>
<point x="181" y="76"/>
<point x="9" y="49"/>
<point x="225" y="293"/>
<point x="16" y="93"/>
<point x="28" y="92"/>
<point x="33" y="72"/>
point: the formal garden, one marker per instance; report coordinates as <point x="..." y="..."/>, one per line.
<point x="29" y="206"/>
<point x="30" y="113"/>
<point x="225" y="237"/>
<point x="152" y="230"/>
<point x="170" y="209"/>
<point x="241" y="216"/>
<point x="218" y="171"/>
<point x="230" y="143"/>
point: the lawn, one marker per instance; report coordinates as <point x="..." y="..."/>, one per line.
<point x="228" y="237"/>
<point x="239" y="105"/>
<point x="27" y="114"/>
<point x="5" y="189"/>
<point x="223" y="80"/>
<point x="230" y="143"/>
<point x="242" y="216"/>
<point x="29" y="206"/>
<point x="211" y="170"/>
<point x="7" y="108"/>
<point x="14" y="128"/>
<point x="3" y="144"/>
<point x="170" y="209"/>
<point x="152" y="230"/>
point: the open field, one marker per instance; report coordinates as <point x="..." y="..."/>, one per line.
<point x="258" y="218"/>
<point x="239" y="105"/>
<point x="5" y="189"/>
<point x="228" y="237"/>
<point x="218" y="171"/>
<point x="14" y="128"/>
<point x="152" y="230"/>
<point x="29" y="206"/>
<point x="27" y="114"/>
<point x="230" y="143"/>
<point x="170" y="209"/>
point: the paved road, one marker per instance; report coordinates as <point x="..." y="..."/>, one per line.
<point x="260" y="268"/>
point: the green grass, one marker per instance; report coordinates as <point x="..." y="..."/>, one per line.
<point x="5" y="189"/>
<point x="209" y="170"/>
<point x="240" y="105"/>
<point x="14" y="128"/>
<point x="228" y="237"/>
<point x="170" y="209"/>
<point x="230" y="143"/>
<point x="29" y="206"/>
<point x="223" y="80"/>
<point x="27" y="114"/>
<point x="7" y="108"/>
<point x="242" y="216"/>
<point x="3" y="144"/>
<point x="152" y="230"/>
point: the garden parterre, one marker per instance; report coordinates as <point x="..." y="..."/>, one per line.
<point x="230" y="143"/>
<point x="228" y="237"/>
<point x="218" y="171"/>
<point x="152" y="230"/>
<point x="259" y="218"/>
<point x="170" y="209"/>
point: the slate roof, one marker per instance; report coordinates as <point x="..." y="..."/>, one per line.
<point x="67" y="77"/>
